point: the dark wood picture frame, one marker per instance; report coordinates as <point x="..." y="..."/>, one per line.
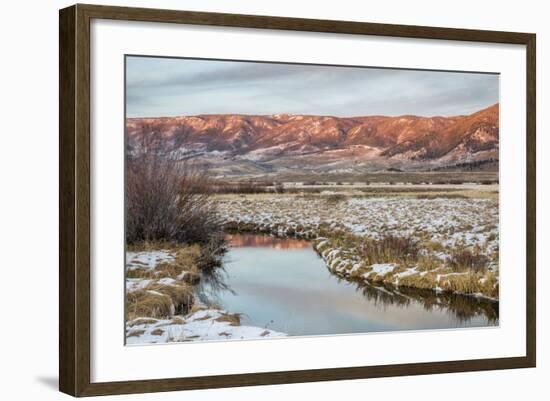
<point x="74" y="202"/>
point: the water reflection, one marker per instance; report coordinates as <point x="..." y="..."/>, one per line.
<point x="284" y="285"/>
<point x="461" y="307"/>
<point x="251" y="240"/>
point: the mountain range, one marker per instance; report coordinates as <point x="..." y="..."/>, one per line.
<point x="235" y="145"/>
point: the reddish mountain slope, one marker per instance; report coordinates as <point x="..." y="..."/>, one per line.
<point x="406" y="141"/>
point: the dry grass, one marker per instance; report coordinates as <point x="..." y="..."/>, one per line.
<point x="234" y="319"/>
<point x="428" y="262"/>
<point x="471" y="283"/>
<point x="159" y="301"/>
<point x="433" y="246"/>
<point x="468" y="274"/>
<point x="335" y="198"/>
<point x="144" y="303"/>
<point x="465" y="259"/>
<point x="187" y="259"/>
<point x="135" y="333"/>
<point x="468" y="282"/>
<point x="386" y="250"/>
<point x="177" y="320"/>
<point x="426" y="281"/>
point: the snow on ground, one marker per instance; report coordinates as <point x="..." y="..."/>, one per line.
<point x="134" y="284"/>
<point x="382" y="269"/>
<point x="468" y="222"/>
<point x="199" y="326"/>
<point x="147" y="259"/>
<point x="442" y="225"/>
<point x="209" y="324"/>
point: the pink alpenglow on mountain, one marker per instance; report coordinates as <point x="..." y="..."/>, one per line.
<point x="259" y="144"/>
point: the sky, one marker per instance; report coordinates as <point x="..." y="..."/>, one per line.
<point x="158" y="87"/>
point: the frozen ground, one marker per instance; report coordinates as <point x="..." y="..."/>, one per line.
<point x="147" y="260"/>
<point x="442" y="226"/>
<point x="209" y="324"/>
<point x="452" y="222"/>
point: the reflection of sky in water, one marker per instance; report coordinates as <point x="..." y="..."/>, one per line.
<point x="291" y="290"/>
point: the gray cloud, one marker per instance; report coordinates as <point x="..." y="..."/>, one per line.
<point x="167" y="87"/>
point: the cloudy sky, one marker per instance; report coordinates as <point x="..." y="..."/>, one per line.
<point x="171" y="87"/>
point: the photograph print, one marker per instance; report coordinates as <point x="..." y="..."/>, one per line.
<point x="269" y="200"/>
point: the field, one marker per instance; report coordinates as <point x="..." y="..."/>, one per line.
<point x="442" y="237"/>
<point x="409" y="234"/>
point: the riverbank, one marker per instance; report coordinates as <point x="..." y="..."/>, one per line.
<point x="161" y="301"/>
<point x="444" y="244"/>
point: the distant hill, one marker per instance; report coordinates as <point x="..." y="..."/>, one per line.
<point x="255" y="144"/>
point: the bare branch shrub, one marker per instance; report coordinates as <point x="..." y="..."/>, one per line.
<point x="335" y="198"/>
<point x="167" y="199"/>
<point x="243" y="187"/>
<point x="466" y="259"/>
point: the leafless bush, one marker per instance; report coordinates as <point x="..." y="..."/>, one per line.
<point x="279" y="187"/>
<point x="168" y="200"/>
<point x="335" y="198"/>
<point x="243" y="187"/>
<point x="389" y="249"/>
<point x="466" y="259"/>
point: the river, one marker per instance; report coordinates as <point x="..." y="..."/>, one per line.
<point x="283" y="285"/>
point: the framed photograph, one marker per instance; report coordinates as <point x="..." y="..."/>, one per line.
<point x="250" y="200"/>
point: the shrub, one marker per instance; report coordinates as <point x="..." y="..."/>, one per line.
<point x="167" y="199"/>
<point x="466" y="259"/>
<point x="389" y="249"/>
<point x="335" y="198"/>
<point x="245" y="187"/>
<point x="279" y="187"/>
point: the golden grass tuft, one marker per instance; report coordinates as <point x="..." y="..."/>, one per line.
<point x="465" y="259"/>
<point x="159" y="301"/>
<point x="145" y="303"/>
<point x="181" y="295"/>
<point x="428" y="262"/>
<point x="389" y="249"/>
<point x="426" y="281"/>
<point x="186" y="261"/>
<point x="234" y="319"/>
<point x="135" y="333"/>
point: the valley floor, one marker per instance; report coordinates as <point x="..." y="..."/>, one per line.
<point x="444" y="242"/>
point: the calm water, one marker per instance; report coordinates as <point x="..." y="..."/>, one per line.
<point x="282" y="284"/>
